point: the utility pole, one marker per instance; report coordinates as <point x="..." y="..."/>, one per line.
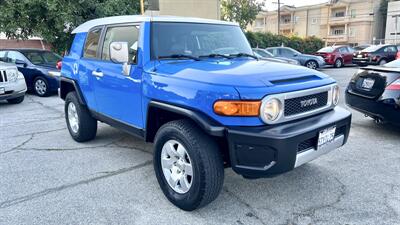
<point x="279" y="15"/>
<point x="142" y="7"/>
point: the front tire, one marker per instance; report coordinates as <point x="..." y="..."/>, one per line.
<point x="312" y="64"/>
<point x="41" y="87"/>
<point x="16" y="100"/>
<point x="188" y="165"/>
<point x="81" y="125"/>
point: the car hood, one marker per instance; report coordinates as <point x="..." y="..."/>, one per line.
<point x="245" y="75"/>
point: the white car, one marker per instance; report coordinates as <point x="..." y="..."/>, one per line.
<point x="12" y="84"/>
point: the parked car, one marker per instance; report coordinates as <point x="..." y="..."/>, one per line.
<point x="375" y="91"/>
<point x="375" y="55"/>
<point x="12" y="84"/>
<point x="310" y="61"/>
<point x="195" y="89"/>
<point x="359" y="48"/>
<point x="338" y="56"/>
<point x="38" y="68"/>
<point x="264" y="54"/>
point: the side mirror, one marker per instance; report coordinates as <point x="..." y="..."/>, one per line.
<point x="20" y="62"/>
<point x="119" y="52"/>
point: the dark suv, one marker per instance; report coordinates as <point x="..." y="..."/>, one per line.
<point x="38" y="67"/>
<point x="375" y="55"/>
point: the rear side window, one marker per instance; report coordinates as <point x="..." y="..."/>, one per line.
<point x="128" y="34"/>
<point x="92" y="44"/>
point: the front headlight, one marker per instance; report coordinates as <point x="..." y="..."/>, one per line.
<point x="271" y="110"/>
<point x="20" y="76"/>
<point x="12" y="75"/>
<point x="335" y="95"/>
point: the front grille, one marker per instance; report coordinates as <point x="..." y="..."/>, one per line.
<point x="294" y="106"/>
<point x="3" y="76"/>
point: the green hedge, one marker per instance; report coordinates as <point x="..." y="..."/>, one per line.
<point x="305" y="45"/>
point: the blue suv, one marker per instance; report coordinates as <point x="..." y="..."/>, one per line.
<point x="194" y="88"/>
<point x="39" y="68"/>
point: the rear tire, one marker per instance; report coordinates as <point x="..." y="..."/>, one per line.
<point x="203" y="155"/>
<point x="81" y="125"/>
<point x="338" y="63"/>
<point x="16" y="100"/>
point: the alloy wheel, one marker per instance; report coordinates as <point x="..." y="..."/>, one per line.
<point x="176" y="166"/>
<point x="40" y="87"/>
<point x="73" y="118"/>
<point x="312" y="65"/>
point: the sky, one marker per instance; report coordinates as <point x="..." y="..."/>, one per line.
<point x="270" y="6"/>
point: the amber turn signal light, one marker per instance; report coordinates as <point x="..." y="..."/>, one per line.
<point x="237" y="108"/>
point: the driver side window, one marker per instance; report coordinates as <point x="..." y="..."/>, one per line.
<point x="286" y="52"/>
<point x="128" y="34"/>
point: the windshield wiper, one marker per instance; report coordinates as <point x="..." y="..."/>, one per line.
<point x="215" y="55"/>
<point x="179" y="56"/>
<point x="244" y="55"/>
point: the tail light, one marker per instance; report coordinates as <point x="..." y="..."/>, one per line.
<point x="394" y="86"/>
<point x="59" y="65"/>
<point x="398" y="55"/>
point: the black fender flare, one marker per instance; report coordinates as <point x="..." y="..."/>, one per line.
<point x="206" y="123"/>
<point x="63" y="93"/>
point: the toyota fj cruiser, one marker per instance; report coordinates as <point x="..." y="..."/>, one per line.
<point x="195" y="89"/>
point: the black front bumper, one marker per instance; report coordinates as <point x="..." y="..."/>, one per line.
<point x="269" y="151"/>
<point x="12" y="95"/>
<point x="376" y="109"/>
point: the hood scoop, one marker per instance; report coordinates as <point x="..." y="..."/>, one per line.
<point x="295" y="80"/>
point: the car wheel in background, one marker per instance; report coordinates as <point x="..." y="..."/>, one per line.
<point x="188" y="165"/>
<point x="312" y="64"/>
<point x="382" y="62"/>
<point x="41" y="87"/>
<point x="81" y="125"/>
<point x="16" y="100"/>
<point x="338" y="63"/>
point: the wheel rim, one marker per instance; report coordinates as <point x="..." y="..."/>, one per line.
<point x="312" y="65"/>
<point x="338" y="63"/>
<point x="73" y="118"/>
<point x="176" y="166"/>
<point x="40" y="87"/>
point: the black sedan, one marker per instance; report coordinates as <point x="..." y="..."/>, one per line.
<point x="375" y="91"/>
<point x="375" y="55"/>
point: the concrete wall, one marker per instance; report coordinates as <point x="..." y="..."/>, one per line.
<point x="393" y="11"/>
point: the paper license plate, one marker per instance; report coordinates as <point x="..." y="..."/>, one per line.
<point x="326" y="136"/>
<point x="368" y="83"/>
<point x="2" y="90"/>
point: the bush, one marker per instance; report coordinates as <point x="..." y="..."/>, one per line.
<point x="305" y="45"/>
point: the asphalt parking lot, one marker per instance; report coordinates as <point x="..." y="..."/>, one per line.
<point x="47" y="178"/>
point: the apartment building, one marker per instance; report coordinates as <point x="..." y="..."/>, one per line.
<point x="351" y="22"/>
<point x="208" y="9"/>
<point x="393" y="23"/>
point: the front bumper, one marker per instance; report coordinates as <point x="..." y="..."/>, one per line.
<point x="377" y="109"/>
<point x="13" y="89"/>
<point x="269" y="151"/>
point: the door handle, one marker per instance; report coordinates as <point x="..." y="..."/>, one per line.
<point x="97" y="73"/>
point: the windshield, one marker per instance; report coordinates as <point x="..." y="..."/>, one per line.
<point x="42" y="57"/>
<point x="372" y="48"/>
<point x="263" y="53"/>
<point x="393" y="64"/>
<point x="192" y="39"/>
<point x="327" y="49"/>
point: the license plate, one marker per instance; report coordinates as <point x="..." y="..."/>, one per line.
<point x="326" y="136"/>
<point x="2" y="91"/>
<point x="359" y="56"/>
<point x="368" y="83"/>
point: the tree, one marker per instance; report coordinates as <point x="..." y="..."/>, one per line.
<point x="243" y="12"/>
<point x="54" y="20"/>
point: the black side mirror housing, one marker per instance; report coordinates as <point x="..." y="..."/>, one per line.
<point x="20" y="62"/>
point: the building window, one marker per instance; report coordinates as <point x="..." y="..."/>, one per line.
<point x="337" y="31"/>
<point x="339" y="13"/>
<point x="353" y="13"/>
<point x="314" y="21"/>
<point x="259" y="22"/>
<point x="286" y="19"/>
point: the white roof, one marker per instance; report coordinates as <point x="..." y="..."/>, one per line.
<point x="85" y="27"/>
